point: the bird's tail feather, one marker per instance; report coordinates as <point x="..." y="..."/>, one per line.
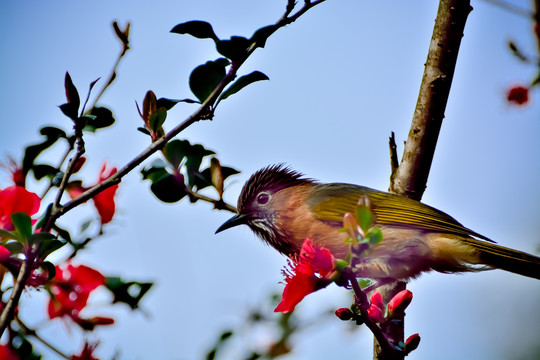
<point x="504" y="258"/>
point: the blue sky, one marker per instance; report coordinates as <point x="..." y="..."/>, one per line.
<point x="341" y="79"/>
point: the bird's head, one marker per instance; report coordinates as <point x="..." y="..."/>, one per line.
<point x="262" y="199"/>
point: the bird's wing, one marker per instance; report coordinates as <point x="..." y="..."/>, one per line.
<point x="329" y="202"/>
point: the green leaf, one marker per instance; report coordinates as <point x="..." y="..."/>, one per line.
<point x="234" y="49"/>
<point x="14" y="247"/>
<point x="144" y="131"/>
<point x="100" y="117"/>
<point x="4" y="234"/>
<point x="51" y="134"/>
<point x="50" y="246"/>
<point x="23" y="225"/>
<point x="364" y="283"/>
<point x="261" y="35"/>
<point x="242" y="82"/>
<point x="205" y="78"/>
<point x="364" y="217"/>
<point x="64" y="234"/>
<point x="199" y="29"/>
<point x="175" y="151"/>
<point x="44" y="170"/>
<point x="71" y="108"/>
<point x="168" y="104"/>
<point x="157" y="118"/>
<point x="169" y="188"/>
<point x="130" y="293"/>
<point x="374" y="235"/>
<point x="44" y="217"/>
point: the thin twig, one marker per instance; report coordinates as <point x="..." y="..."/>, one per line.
<point x="30" y="332"/>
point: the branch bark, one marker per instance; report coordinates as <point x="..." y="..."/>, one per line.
<point x="410" y="178"/>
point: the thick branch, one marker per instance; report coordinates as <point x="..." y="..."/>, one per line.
<point x="410" y="178"/>
<point x="412" y="174"/>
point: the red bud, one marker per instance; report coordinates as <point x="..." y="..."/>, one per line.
<point x="375" y="314"/>
<point x="399" y="303"/>
<point x="344" y="314"/>
<point x="412" y="343"/>
<point x="377" y="300"/>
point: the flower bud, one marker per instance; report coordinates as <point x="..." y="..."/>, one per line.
<point x="412" y="343"/>
<point x="344" y="314"/>
<point x="399" y="303"/>
<point x="377" y="300"/>
<point x="375" y="314"/>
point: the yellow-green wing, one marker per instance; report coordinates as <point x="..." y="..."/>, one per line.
<point x="329" y="202"/>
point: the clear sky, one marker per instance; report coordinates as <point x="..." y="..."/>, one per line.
<point x="341" y="79"/>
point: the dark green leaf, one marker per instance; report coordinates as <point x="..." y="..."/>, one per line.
<point x="49" y="268"/>
<point x="44" y="217"/>
<point x="234" y="49"/>
<point x="228" y="171"/>
<point x="242" y="82"/>
<point x="14" y="247"/>
<point x="175" y="151"/>
<point x="51" y="134"/>
<point x="205" y="78"/>
<point x="50" y="246"/>
<point x="101" y="118"/>
<point x="64" y="234"/>
<point x="71" y="108"/>
<point x="130" y="293"/>
<point x="23" y="225"/>
<point x="374" y="236"/>
<point x="202" y="179"/>
<point x="156" y="170"/>
<point x="44" y="170"/>
<point x="260" y="36"/>
<point x="144" y="131"/>
<point x="168" y="104"/>
<point x="199" y="29"/>
<point x="169" y="188"/>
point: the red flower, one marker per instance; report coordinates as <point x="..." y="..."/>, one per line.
<point x="87" y="352"/>
<point x="4" y="254"/>
<point x="302" y="280"/>
<point x="15" y="199"/>
<point x="412" y="343"/>
<point x="377" y="300"/>
<point x="375" y="314"/>
<point x="518" y="95"/>
<point x="399" y="302"/>
<point x="70" y="289"/>
<point x="104" y="201"/>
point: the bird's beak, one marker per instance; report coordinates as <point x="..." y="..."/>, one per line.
<point x="238" y="219"/>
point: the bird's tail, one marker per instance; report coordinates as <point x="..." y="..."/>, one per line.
<point x="504" y="258"/>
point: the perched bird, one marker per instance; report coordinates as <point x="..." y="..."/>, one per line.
<point x="284" y="208"/>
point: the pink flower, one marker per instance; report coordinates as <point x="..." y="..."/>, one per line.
<point x="302" y="279"/>
<point x="375" y="314"/>
<point x="15" y="199"/>
<point x="412" y="343"/>
<point x="377" y="300"/>
<point x="518" y="95"/>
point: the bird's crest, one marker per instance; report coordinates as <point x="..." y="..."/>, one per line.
<point x="271" y="178"/>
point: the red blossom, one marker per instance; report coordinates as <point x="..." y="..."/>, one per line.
<point x="518" y="95"/>
<point x="87" y="353"/>
<point x="4" y="254"/>
<point x="412" y="343"/>
<point x="71" y="288"/>
<point x="104" y="201"/>
<point x="15" y="199"/>
<point x="344" y="314"/>
<point x="302" y="279"/>
<point x="399" y="302"/>
<point x="7" y="354"/>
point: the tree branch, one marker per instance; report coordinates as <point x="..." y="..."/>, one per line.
<point x="410" y="178"/>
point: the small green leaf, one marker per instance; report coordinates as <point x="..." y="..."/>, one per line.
<point x="168" y="104"/>
<point x="100" y="117"/>
<point x="51" y="134"/>
<point x="71" y="108"/>
<point x="50" y="246"/>
<point x="144" y="131"/>
<point x="364" y="217"/>
<point x="199" y="29"/>
<point x="4" y="234"/>
<point x="44" y="170"/>
<point x="242" y="82"/>
<point x="130" y="293"/>
<point x="157" y="118"/>
<point x="364" y="283"/>
<point x="44" y="217"/>
<point x="205" y="78"/>
<point x="14" y="247"/>
<point x="23" y="225"/>
<point x="234" y="49"/>
<point x="374" y="236"/>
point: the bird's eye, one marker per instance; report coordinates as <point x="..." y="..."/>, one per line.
<point x="263" y="198"/>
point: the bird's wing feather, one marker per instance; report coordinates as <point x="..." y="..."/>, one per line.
<point x="329" y="202"/>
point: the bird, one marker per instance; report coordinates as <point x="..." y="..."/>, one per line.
<point x="283" y="208"/>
